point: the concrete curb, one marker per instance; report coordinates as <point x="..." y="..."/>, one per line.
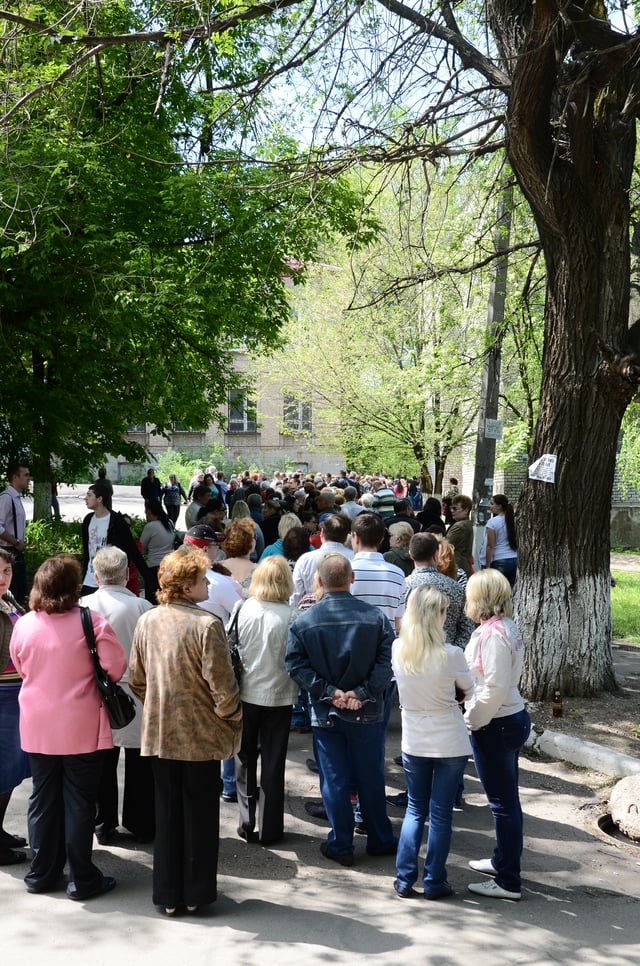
<point x="586" y="754"/>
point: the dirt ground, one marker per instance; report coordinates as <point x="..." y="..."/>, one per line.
<point x="610" y="719"/>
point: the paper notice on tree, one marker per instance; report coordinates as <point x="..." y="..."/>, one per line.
<point x="544" y="469"/>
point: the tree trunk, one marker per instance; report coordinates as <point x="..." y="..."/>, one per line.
<point x="563" y="591"/>
<point x="573" y="154"/>
<point x="42" y="500"/>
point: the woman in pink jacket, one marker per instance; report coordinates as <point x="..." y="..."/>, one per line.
<point x="63" y="727"/>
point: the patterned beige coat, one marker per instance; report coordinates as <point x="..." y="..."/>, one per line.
<point x="181" y="671"/>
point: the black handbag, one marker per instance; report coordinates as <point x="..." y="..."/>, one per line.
<point x="234" y="650"/>
<point x="119" y="705"/>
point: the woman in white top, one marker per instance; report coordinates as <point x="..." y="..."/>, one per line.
<point x="435" y="743"/>
<point x="499" y="725"/>
<point x="157" y="540"/>
<point x="267" y="693"/>
<point x="501" y="543"/>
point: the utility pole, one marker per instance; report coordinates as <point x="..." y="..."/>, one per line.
<point x="488" y="427"/>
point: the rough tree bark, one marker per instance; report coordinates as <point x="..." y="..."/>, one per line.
<point x="572" y="151"/>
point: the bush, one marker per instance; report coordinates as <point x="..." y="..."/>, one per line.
<point x="46" y="538"/>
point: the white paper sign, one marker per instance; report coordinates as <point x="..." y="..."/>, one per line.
<point x="544" y="469"/>
<point x="493" y="429"/>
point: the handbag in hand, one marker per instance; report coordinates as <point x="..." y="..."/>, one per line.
<point x="119" y="705"/>
<point x="233" y="639"/>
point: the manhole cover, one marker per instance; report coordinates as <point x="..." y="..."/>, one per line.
<point x="609" y="827"/>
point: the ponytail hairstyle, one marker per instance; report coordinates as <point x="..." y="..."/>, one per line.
<point x="421" y="637"/>
<point x="509" y="518"/>
<point x="155" y="507"/>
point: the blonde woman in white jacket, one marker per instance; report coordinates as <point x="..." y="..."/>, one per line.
<point x="499" y="725"/>
<point x="435" y="743"/>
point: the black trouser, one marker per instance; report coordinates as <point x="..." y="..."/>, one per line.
<point x="138" y="808"/>
<point x="185" y="854"/>
<point x="173" y="511"/>
<point x="265" y="734"/>
<point x="18" y="585"/>
<point x="60" y="819"/>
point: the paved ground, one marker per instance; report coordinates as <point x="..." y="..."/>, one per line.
<point x="288" y="905"/>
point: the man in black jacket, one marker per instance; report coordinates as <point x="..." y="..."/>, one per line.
<point x="102" y="527"/>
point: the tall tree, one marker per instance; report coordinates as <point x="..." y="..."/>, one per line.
<point x="557" y="87"/>
<point x="126" y="274"/>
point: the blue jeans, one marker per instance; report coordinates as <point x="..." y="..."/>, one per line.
<point x="507" y="566"/>
<point x="496" y="748"/>
<point x="348" y="752"/>
<point x="228" y="776"/>
<point x="432" y="785"/>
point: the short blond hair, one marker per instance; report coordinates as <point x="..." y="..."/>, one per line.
<point x="183" y="566"/>
<point x="403" y="532"/>
<point x="488" y="595"/>
<point x="272" y="580"/>
<point x="287" y="522"/>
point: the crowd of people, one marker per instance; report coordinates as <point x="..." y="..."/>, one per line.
<point x="299" y="602"/>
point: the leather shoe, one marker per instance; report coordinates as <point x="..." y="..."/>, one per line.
<point x="247" y="834"/>
<point x="405" y="892"/>
<point x="360" y="828"/>
<point x="55" y="886"/>
<point x="109" y="836"/>
<point x="342" y="858"/>
<point x="400" y="801"/>
<point x="106" y="885"/>
<point x="9" y="841"/>
<point x="315" y="810"/>
<point x="397" y="760"/>
<point x="312" y="765"/>
<point x="389" y="850"/>
<point x="11" y="857"/>
<point x="485" y="866"/>
<point x="442" y="892"/>
<point x="230" y="797"/>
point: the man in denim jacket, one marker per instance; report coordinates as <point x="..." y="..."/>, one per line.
<point x="339" y="651"/>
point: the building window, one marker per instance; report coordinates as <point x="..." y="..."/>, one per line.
<point x="182" y="428"/>
<point x="296" y="415"/>
<point x="242" y="414"/>
<point x="138" y="428"/>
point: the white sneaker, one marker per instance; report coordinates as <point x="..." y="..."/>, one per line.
<point x="492" y="890"/>
<point x="485" y="866"/>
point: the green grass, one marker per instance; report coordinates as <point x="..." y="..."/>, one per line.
<point x="625" y="609"/>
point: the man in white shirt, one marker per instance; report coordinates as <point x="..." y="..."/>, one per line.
<point x="334" y="533"/>
<point x="376" y="581"/>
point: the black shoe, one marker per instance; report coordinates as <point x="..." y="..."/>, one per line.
<point x="398" y="760"/>
<point x="9" y="841"/>
<point x="400" y="801"/>
<point x="312" y="765"/>
<point x="389" y="850"/>
<point x="55" y="886"/>
<point x="315" y="810"/>
<point x="109" y="836"/>
<point x="11" y="857"/>
<point x="405" y="892"/>
<point x="443" y="892"/>
<point x="360" y="828"/>
<point x="106" y="885"/>
<point x="343" y="858"/>
<point x="248" y="836"/>
<point x="230" y="797"/>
